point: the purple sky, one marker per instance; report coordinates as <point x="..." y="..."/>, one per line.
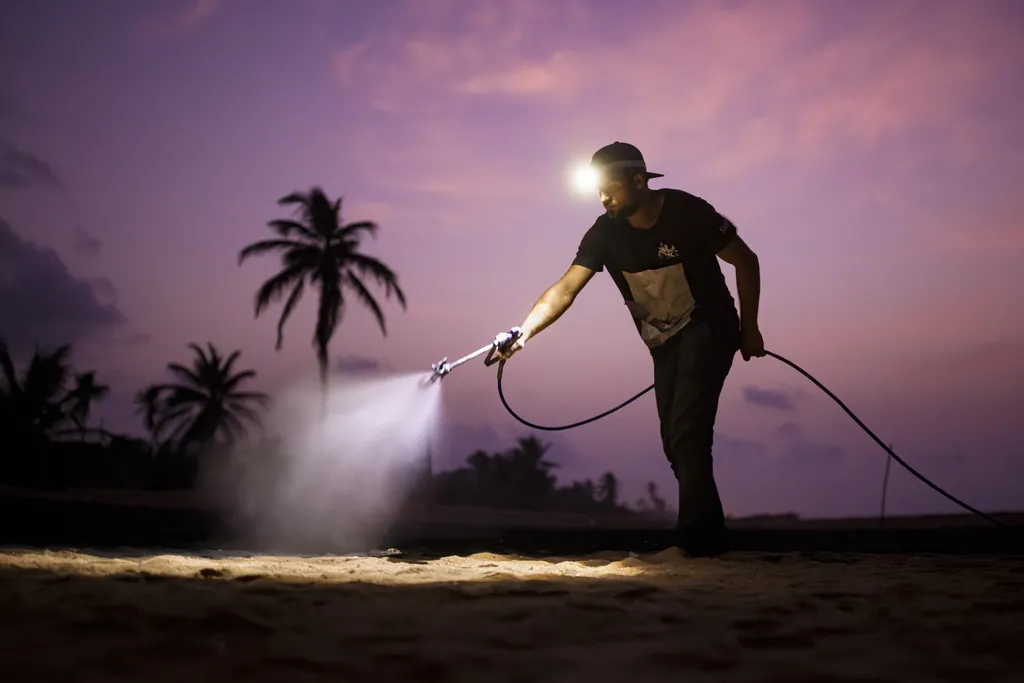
<point x="871" y="153"/>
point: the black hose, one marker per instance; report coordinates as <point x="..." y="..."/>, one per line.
<point x="990" y="518"/>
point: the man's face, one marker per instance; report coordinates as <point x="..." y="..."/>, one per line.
<point x="619" y="195"/>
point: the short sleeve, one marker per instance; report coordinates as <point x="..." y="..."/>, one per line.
<point x="591" y="252"/>
<point x="711" y="228"/>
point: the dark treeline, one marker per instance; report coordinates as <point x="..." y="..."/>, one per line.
<point x="50" y="442"/>
<point x="521" y="478"/>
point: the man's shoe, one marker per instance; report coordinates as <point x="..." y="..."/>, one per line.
<point x="706" y="544"/>
<point x="711" y="548"/>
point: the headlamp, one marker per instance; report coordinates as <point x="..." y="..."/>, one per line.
<point x="585" y="180"/>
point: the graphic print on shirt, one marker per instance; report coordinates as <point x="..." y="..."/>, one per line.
<point x="667" y="251"/>
<point x="662" y="301"/>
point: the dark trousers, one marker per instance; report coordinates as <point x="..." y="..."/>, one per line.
<point x="689" y="372"/>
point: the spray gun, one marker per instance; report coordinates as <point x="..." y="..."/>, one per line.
<point x="501" y="343"/>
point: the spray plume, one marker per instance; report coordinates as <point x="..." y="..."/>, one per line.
<point x="339" y="469"/>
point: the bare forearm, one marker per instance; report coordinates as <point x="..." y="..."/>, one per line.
<point x="555" y="301"/>
<point x="748" y="288"/>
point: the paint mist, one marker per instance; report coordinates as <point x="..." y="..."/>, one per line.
<point x="339" y="471"/>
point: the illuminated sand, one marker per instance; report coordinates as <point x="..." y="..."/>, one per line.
<point x="607" y="617"/>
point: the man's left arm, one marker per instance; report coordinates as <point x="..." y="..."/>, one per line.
<point x="721" y="236"/>
<point x="737" y="253"/>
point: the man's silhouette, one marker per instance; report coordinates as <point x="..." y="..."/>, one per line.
<point x="661" y="248"/>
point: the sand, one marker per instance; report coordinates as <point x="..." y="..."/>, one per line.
<point x="129" y="616"/>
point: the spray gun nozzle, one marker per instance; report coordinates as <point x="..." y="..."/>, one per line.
<point x="441" y="369"/>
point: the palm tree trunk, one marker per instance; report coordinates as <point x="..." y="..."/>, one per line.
<point x="321" y="357"/>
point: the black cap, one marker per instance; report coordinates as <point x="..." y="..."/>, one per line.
<point x="624" y="156"/>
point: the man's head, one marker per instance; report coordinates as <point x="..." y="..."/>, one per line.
<point x="622" y="178"/>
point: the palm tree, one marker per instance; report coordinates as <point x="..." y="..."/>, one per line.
<point x="527" y="472"/>
<point x="205" y="405"/>
<point x="609" y="489"/>
<point x="81" y="397"/>
<point x="320" y="251"/>
<point x="147" y="404"/>
<point x="657" y="502"/>
<point x="38" y="406"/>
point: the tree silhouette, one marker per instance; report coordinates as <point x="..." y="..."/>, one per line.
<point x="529" y="473"/>
<point x="38" y="406"/>
<point x="657" y="502"/>
<point x="82" y="396"/>
<point x="320" y="251"/>
<point x="43" y="412"/>
<point x="518" y="478"/>
<point x="147" y="404"/>
<point x="205" y="405"/>
<point x="609" y="489"/>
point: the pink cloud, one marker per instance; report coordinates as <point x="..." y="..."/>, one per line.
<point x="448" y="47"/>
<point x="742" y="85"/>
<point x="556" y="75"/>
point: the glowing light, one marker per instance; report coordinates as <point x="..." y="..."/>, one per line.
<point x="584" y="180"/>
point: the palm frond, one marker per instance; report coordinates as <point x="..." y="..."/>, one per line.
<point x="225" y="368"/>
<point x="187" y="374"/>
<point x="286" y="227"/>
<point x="272" y="290"/>
<point x="364" y="295"/>
<point x="384" y="276"/>
<point x="352" y="230"/>
<point x="9" y="373"/>
<point x="286" y="312"/>
<point x="265" y="246"/>
<point x="231" y="381"/>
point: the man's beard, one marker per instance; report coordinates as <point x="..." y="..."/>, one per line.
<point x="625" y="210"/>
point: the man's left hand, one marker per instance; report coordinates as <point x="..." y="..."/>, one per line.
<point x="752" y="344"/>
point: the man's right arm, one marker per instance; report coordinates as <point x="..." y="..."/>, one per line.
<point x="555" y="301"/>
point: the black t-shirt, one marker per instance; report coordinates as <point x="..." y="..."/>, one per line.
<point x="668" y="274"/>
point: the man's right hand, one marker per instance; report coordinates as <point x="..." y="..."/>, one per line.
<point x="504" y="353"/>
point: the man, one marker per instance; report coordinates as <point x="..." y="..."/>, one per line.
<point x="661" y="248"/>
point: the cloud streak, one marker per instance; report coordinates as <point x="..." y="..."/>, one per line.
<point x="768" y="398"/>
<point x="356" y="364"/>
<point x="20" y="169"/>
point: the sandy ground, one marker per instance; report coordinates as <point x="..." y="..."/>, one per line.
<point x="793" y="618"/>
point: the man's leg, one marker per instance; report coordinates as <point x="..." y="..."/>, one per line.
<point x="689" y="374"/>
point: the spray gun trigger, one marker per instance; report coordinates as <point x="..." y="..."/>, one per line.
<point x="502" y="342"/>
